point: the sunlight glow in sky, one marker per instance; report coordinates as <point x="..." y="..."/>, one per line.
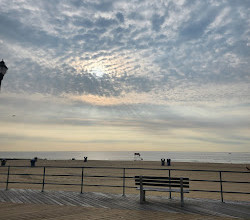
<point x="125" y="75"/>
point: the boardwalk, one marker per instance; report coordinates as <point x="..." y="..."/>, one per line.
<point x="96" y="200"/>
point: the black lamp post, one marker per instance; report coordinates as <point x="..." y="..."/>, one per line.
<point x="3" y="70"/>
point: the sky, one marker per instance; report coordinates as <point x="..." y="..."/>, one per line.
<point x="139" y="75"/>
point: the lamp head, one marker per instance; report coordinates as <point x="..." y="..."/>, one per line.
<point x="3" y="68"/>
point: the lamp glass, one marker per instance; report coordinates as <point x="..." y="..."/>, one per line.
<point x="3" y="70"/>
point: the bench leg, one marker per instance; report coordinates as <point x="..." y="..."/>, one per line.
<point x="182" y="199"/>
<point x="142" y="196"/>
<point x="182" y="194"/>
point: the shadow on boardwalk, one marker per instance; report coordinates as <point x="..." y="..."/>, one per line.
<point x="209" y="208"/>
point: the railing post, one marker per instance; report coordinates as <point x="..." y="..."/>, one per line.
<point x="182" y="196"/>
<point x="43" y="179"/>
<point x="123" y="192"/>
<point x="82" y="181"/>
<point x="7" y="181"/>
<point x="169" y="176"/>
<point x="142" y="193"/>
<point x="221" y="189"/>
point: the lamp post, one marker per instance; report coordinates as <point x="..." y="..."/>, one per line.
<point x="3" y="70"/>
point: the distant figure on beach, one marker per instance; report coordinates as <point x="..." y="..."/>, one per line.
<point x="248" y="168"/>
<point x="3" y="162"/>
<point x="169" y="162"/>
<point x="85" y="159"/>
<point x="163" y="161"/>
<point x="137" y="156"/>
<point x="33" y="162"/>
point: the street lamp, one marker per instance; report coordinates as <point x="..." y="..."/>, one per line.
<point x="3" y="70"/>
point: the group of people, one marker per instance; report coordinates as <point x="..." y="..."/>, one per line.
<point x="164" y="160"/>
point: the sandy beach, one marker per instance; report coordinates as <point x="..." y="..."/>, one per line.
<point x="43" y="211"/>
<point x="114" y="176"/>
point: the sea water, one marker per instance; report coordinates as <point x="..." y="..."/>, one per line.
<point x="207" y="157"/>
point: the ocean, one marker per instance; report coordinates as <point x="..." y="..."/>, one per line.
<point x="207" y="157"/>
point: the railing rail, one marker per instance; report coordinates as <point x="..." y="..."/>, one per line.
<point x="124" y="176"/>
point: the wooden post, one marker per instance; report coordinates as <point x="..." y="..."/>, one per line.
<point x="182" y="196"/>
<point x="43" y="179"/>
<point x="142" y="196"/>
<point x="82" y="181"/>
<point x="123" y="191"/>
<point x="7" y="181"/>
<point x="221" y="189"/>
<point x="169" y="176"/>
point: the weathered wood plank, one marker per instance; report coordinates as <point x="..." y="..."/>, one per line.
<point x="163" y="189"/>
<point x="129" y="202"/>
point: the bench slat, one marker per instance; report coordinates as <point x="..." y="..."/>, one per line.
<point x="163" y="189"/>
<point x="160" y="181"/>
<point x="162" y="185"/>
<point x="163" y="178"/>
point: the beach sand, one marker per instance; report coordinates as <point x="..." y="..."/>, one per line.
<point x="114" y="173"/>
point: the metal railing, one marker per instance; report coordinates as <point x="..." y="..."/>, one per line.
<point x="124" y="177"/>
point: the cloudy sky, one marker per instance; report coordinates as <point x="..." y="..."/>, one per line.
<point x="125" y="75"/>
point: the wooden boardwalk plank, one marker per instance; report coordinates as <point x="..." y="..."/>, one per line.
<point x="128" y="202"/>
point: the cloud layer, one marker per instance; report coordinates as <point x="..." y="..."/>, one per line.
<point x="158" y="65"/>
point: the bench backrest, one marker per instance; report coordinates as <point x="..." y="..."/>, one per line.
<point x="173" y="182"/>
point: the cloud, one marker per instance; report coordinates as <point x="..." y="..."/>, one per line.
<point x="197" y="23"/>
<point x="83" y="22"/>
<point x="120" y="17"/>
<point x="46" y="118"/>
<point x="109" y="53"/>
<point x="106" y="5"/>
<point x="157" y="21"/>
<point x="16" y="31"/>
<point x="105" y="22"/>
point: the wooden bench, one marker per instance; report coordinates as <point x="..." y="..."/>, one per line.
<point x="162" y="184"/>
